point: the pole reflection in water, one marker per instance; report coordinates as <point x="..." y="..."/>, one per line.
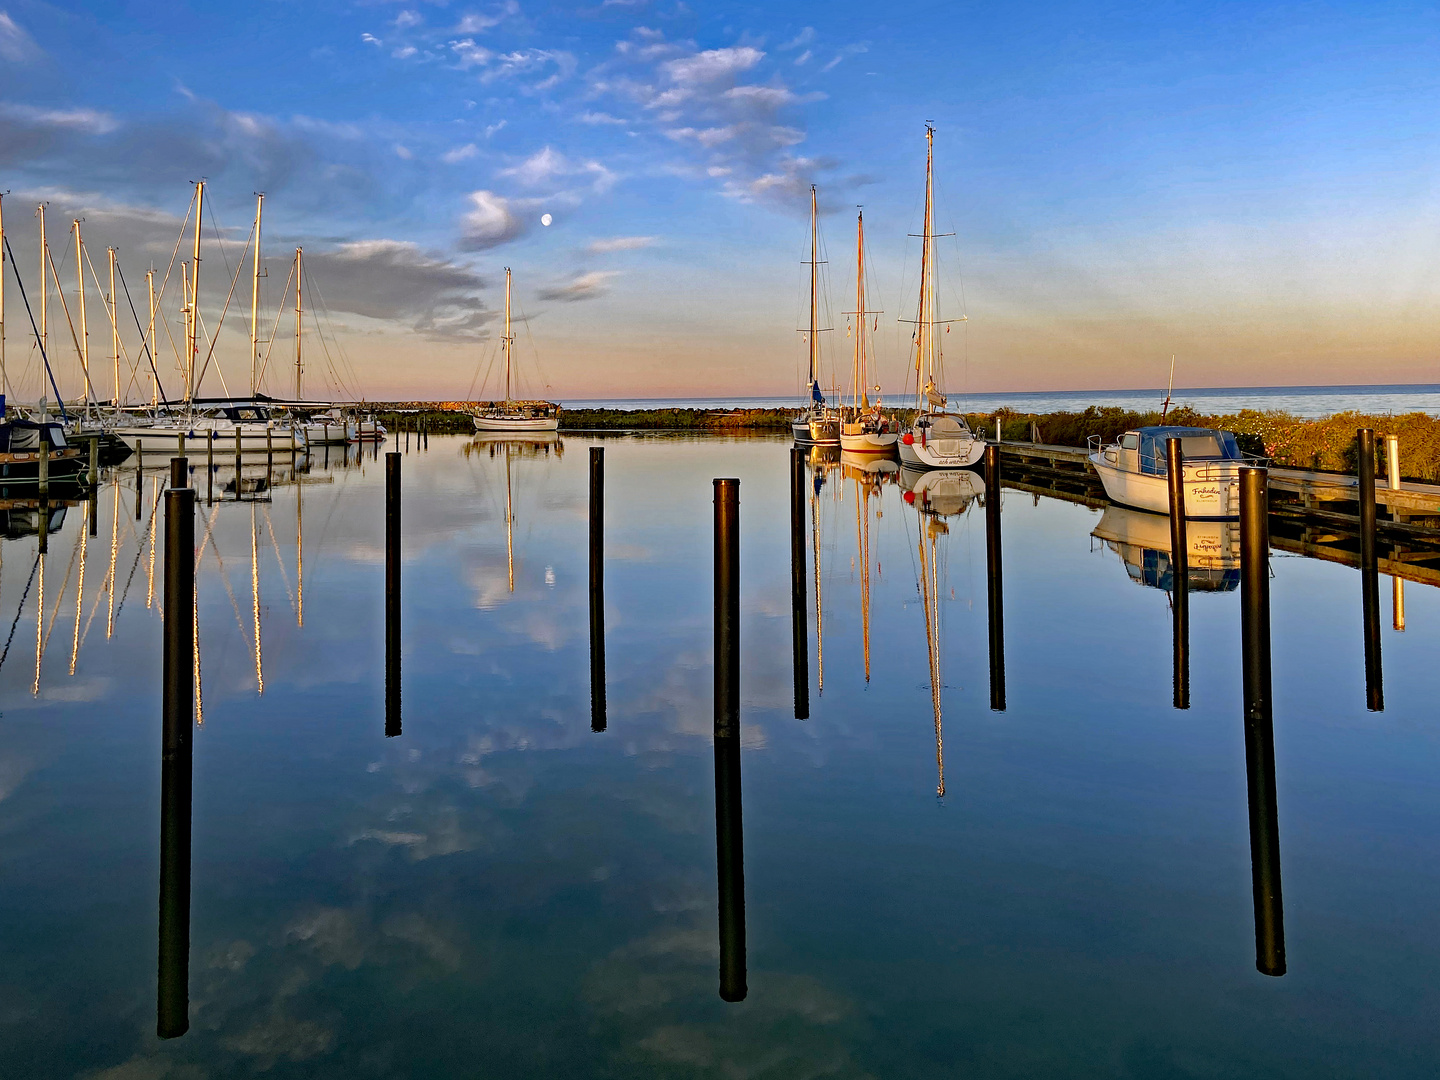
<point x="597" y="588"/>
<point x="994" y="578"/>
<point x="1259" y="726"/>
<point x="1369" y="573"/>
<point x="392" y="594"/>
<point x="1179" y="572"/>
<point x="176" y="767"/>
<point x="729" y="826"/>
<point x="799" y="634"/>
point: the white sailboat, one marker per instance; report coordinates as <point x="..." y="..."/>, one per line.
<point x="863" y="428"/>
<point x="818" y="423"/>
<point x="938" y="439"/>
<point x="511" y="415"/>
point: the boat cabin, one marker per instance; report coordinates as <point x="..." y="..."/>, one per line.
<point x="1143" y="450"/>
<point x="24" y="436"/>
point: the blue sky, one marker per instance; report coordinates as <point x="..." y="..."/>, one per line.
<point x="1252" y="187"/>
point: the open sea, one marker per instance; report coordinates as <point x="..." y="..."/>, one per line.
<point x="493" y="879"/>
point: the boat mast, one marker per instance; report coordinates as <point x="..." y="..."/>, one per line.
<point x="924" y="350"/>
<point x="509" y="341"/>
<point x="814" y="294"/>
<point x="84" y="326"/>
<point x="859" y="375"/>
<point x="150" y="337"/>
<point x="114" y="327"/>
<point x="509" y="512"/>
<point x="255" y="302"/>
<point x="299" y="317"/>
<point x="192" y="346"/>
<point x="2" y="293"/>
<point x="44" y="288"/>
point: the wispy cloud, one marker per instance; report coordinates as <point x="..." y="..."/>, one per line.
<point x="580" y="287"/>
<point x="460" y="153"/>
<point x="87" y="121"/>
<point x="16" y="46"/>
<point x="548" y="166"/>
<point x="620" y="243"/>
<point x="846" y="52"/>
<point x="493" y="220"/>
<point x="805" y="37"/>
<point x="599" y="118"/>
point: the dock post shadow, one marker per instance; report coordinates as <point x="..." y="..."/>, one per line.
<point x="392" y="594"/>
<point x="994" y="577"/>
<point x="1259" y="726"/>
<point x="176" y="765"/>
<point x="1369" y="574"/>
<point x="597" y="588"/>
<point x="1179" y="572"/>
<point x="799" y="632"/>
<point x="729" y="826"/>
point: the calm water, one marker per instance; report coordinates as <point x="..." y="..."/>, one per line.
<point x="1298" y="400"/>
<point x="500" y="891"/>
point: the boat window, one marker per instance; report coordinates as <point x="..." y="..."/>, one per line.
<point x="1130" y="441"/>
<point x="57" y="436"/>
<point x="248" y="414"/>
<point x="1201" y="446"/>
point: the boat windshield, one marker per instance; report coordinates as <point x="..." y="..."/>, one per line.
<point x="1197" y="444"/>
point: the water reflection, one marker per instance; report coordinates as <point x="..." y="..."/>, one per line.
<point x="1142" y="540"/>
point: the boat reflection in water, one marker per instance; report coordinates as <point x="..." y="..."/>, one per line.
<point x="869" y="474"/>
<point x="1142" y="540"/>
<point x="509" y="446"/>
<point x="938" y="495"/>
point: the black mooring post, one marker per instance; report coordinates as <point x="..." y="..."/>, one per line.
<point x="729" y="826"/>
<point x="1370" y="574"/>
<point x="994" y="576"/>
<point x="176" y="764"/>
<point x="42" y="536"/>
<point x="799" y="629"/>
<point x="139" y="475"/>
<point x="210" y="467"/>
<point x="1259" y="726"/>
<point x="392" y="594"/>
<point x="179" y="472"/>
<point x="94" y="475"/>
<point x="1179" y="572"/>
<point x="597" y="588"/>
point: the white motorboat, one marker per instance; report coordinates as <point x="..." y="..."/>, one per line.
<point x="1135" y="473"/>
<point x="511" y="415"/>
<point x="1142" y="540"/>
<point x="938" y="439"/>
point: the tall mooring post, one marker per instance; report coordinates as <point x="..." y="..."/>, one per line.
<point x="729" y="825"/>
<point x="994" y="576"/>
<point x="176" y="764"/>
<point x="1179" y="572"/>
<point x="139" y="475"/>
<point x="94" y="476"/>
<point x="392" y="594"/>
<point x="1397" y="583"/>
<point x="1259" y="726"/>
<point x="597" y="588"/>
<point x="799" y="631"/>
<point x="210" y="467"/>
<point x="1370" y="574"/>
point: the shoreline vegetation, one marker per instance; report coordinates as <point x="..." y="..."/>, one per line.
<point x="1326" y="444"/>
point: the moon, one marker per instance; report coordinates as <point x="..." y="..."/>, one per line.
<point x="545" y="219"/>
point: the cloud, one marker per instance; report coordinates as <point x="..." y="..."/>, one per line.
<point x="491" y="221"/>
<point x="476" y="23"/>
<point x="598" y="118"/>
<point x="16" y="46"/>
<point x="803" y="57"/>
<point x="491" y="129"/>
<point x="712" y="65"/>
<point x="847" y="51"/>
<point x="469" y="54"/>
<point x="548" y="165"/>
<point x="805" y="37"/>
<point x="407" y="18"/>
<point x="460" y="153"/>
<point x="580" y="287"/>
<point x="85" y="121"/>
<point x="620" y="243"/>
<point x="371" y="39"/>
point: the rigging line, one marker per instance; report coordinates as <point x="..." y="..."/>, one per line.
<point x="339" y="380"/>
<point x="114" y="323"/>
<point x="221" y="324"/>
<point x="79" y="353"/>
<point x="14" y="270"/>
<point x="279" y="311"/>
<point x="143" y="336"/>
<point x="139" y="551"/>
<point x="353" y="389"/>
<point x="219" y="371"/>
<point x="275" y="545"/>
<point x="59" y="599"/>
<point x="23" y="597"/>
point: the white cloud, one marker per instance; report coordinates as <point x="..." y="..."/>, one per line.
<point x="16" y="46"/>
<point x="597" y="118"/>
<point x="805" y="37"/>
<point x="403" y="152"/>
<point x="85" y="121"/>
<point x="620" y="243"/>
<point x="460" y="153"/>
<point x="581" y="287"/>
<point x="475" y="23"/>
<point x="491" y="129"/>
<point x="803" y="57"/>
<point x="408" y="18"/>
<point x="849" y="50"/>
<point x="772" y="96"/>
<point x="404" y="52"/>
<point x="492" y="220"/>
<point x="371" y="39"/>
<point x="712" y="65"/>
<point x="539" y="168"/>
<point x="469" y="54"/>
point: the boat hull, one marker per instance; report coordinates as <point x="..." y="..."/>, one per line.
<point x="253" y="439"/>
<point x="1212" y="490"/>
<point x="869" y="442"/>
<point x="322" y="434"/>
<point x="516" y="423"/>
<point x="962" y="453"/>
<point x="24" y="468"/>
<point x="825" y="432"/>
<point x="800" y="428"/>
<point x="944" y="492"/>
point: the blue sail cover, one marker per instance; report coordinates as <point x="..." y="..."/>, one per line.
<point x="1197" y="444"/>
<point x="815" y="394"/>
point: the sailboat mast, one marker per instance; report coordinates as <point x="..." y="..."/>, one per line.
<point x="509" y="520"/>
<point x="192" y="346"/>
<point x="2" y="294"/>
<point x="114" y="327"/>
<point x="150" y="338"/>
<point x="44" y="285"/>
<point x="255" y="301"/>
<point x="509" y="342"/>
<point x="299" y="317"/>
<point x="814" y="293"/>
<point x="932" y="313"/>
<point x="84" y="326"/>
<point x="858" y="375"/>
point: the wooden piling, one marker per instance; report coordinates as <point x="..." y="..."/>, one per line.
<point x="139" y="475"/>
<point x="392" y="594"/>
<point x="1369" y="573"/>
<point x="597" y="588"/>
<point x="43" y="462"/>
<point x="799" y="628"/>
<point x="1179" y="573"/>
<point x="178" y="710"/>
<point x="179" y="472"/>
<point x="729" y="826"/>
<point x="210" y="467"/>
<point x="1259" y="725"/>
<point x="994" y="577"/>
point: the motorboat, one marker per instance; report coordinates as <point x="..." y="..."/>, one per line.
<point x="1142" y="540"/>
<point x="1135" y="473"/>
<point x="21" y="445"/>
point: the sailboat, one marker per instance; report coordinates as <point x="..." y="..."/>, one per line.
<point x="511" y="415"/>
<point x="863" y="429"/>
<point x="938" y="439"/>
<point x="818" y="422"/>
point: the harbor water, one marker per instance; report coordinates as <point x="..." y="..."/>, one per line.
<point x="502" y="887"/>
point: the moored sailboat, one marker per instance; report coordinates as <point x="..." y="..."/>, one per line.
<point x="938" y="439"/>
<point x="818" y="423"/>
<point x="863" y="428"/>
<point x="511" y="415"/>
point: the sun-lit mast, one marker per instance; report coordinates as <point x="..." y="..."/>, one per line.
<point x="924" y="327"/>
<point x="2" y="293"/>
<point x="80" y="585"/>
<point x="299" y="322"/>
<point x="40" y="616"/>
<point x="814" y="289"/>
<point x="509" y="511"/>
<point x="859" y="375"/>
<point x="114" y="327"/>
<point x="509" y="342"/>
<point x="84" y="324"/>
<point x="44" y="290"/>
<point x="255" y="301"/>
<point x="192" y="345"/>
<point x="150" y="338"/>
<point x="930" y="588"/>
<point x="862" y="545"/>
